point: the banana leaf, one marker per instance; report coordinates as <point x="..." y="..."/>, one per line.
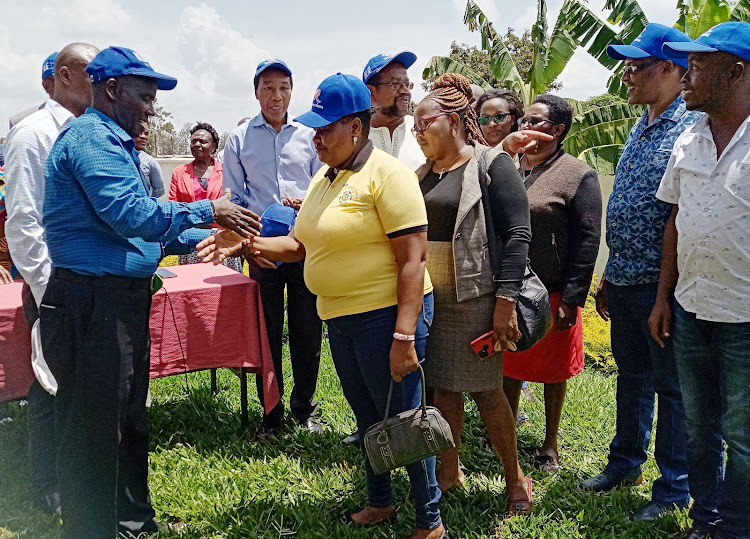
<point x="698" y="16"/>
<point x="741" y="11"/>
<point x="442" y="64"/>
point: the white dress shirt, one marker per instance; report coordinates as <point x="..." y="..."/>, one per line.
<point x="402" y="145"/>
<point x="713" y="222"/>
<point x="26" y="150"/>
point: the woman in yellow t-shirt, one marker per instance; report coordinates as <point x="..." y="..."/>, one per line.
<point x="362" y="230"/>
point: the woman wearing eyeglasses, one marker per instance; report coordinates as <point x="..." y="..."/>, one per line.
<point x="498" y="112"/>
<point x="566" y="208"/>
<point x="468" y="302"/>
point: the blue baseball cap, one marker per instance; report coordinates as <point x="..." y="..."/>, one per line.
<point x="732" y="37"/>
<point x="272" y="62"/>
<point x="649" y="43"/>
<point x="48" y="66"/>
<point x="115" y="62"/>
<point x="377" y="63"/>
<point x="337" y="96"/>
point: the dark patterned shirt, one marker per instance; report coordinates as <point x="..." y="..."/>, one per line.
<point x="635" y="218"/>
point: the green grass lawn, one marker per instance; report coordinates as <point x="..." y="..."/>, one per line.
<point x="216" y="481"/>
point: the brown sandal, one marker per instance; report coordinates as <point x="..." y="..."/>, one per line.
<point x="521" y="507"/>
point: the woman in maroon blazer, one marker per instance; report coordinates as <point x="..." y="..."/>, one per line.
<point x="200" y="180"/>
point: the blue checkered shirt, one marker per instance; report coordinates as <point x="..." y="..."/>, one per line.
<point x="635" y="217"/>
<point x="98" y="217"/>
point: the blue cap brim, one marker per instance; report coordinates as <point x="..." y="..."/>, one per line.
<point x="679" y="50"/>
<point x="277" y="65"/>
<point x="623" y="52"/>
<point x="315" y="120"/>
<point x="407" y="58"/>
<point x="163" y="82"/>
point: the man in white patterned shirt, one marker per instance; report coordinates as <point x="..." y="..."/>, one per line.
<point x="390" y="90"/>
<point x="26" y="149"/>
<point x="706" y="262"/>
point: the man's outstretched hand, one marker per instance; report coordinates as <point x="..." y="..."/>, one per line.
<point x="240" y="220"/>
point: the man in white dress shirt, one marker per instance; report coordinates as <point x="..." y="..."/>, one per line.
<point x="26" y="150"/>
<point x="706" y="263"/>
<point x="390" y="89"/>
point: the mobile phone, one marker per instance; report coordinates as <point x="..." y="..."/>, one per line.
<point x="164" y="273"/>
<point x="482" y="346"/>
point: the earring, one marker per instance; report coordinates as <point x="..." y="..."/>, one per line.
<point x="355" y="139"/>
<point x="455" y="133"/>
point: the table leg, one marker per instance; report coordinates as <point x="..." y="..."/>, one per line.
<point x="213" y="381"/>
<point x="243" y="397"/>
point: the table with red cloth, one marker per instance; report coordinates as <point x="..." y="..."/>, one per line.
<point x="205" y="317"/>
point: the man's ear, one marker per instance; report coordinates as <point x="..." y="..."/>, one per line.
<point x="738" y="71"/>
<point x="112" y="87"/>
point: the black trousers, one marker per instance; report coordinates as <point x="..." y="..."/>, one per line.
<point x="95" y="339"/>
<point x="305" y="334"/>
<point x="40" y="421"/>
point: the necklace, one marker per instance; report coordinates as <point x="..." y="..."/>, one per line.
<point x="442" y="170"/>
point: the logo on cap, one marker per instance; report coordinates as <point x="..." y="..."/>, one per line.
<point x="316" y="100"/>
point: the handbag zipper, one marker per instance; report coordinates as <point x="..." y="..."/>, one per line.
<point x="557" y="255"/>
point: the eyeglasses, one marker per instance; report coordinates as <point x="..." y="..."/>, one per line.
<point x="633" y="68"/>
<point x="423" y="124"/>
<point x="396" y="86"/>
<point x="532" y="121"/>
<point x="497" y="118"/>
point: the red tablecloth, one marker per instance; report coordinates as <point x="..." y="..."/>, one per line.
<point x="218" y="317"/>
<point x="218" y="322"/>
<point x="15" y="344"/>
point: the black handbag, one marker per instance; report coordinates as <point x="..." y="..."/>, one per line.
<point x="407" y="437"/>
<point x="533" y="309"/>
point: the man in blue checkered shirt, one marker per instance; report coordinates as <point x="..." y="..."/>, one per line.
<point x="106" y="237"/>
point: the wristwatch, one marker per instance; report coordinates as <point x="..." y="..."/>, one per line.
<point x="402" y="337"/>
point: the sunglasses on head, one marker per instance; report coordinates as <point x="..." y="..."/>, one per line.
<point x="497" y="118"/>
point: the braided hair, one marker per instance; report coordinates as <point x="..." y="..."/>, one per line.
<point x="451" y="92"/>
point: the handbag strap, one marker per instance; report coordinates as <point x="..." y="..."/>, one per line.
<point x="489" y="224"/>
<point x="390" y="394"/>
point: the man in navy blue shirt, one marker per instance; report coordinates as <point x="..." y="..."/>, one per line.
<point x="106" y="237"/>
<point x="627" y="292"/>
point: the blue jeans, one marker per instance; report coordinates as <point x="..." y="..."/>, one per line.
<point x="644" y="368"/>
<point x="713" y="360"/>
<point x="361" y="346"/>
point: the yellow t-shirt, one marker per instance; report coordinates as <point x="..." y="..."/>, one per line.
<point x="344" y="225"/>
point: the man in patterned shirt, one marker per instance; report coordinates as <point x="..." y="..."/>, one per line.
<point x="627" y="291"/>
<point x="706" y="263"/>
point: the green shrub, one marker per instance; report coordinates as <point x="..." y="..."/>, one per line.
<point x="596" y="344"/>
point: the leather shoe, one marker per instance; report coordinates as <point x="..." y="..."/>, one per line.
<point x="312" y="425"/>
<point x="268" y="429"/>
<point x="353" y="438"/>
<point x="653" y="510"/>
<point x="606" y="481"/>
<point x="694" y="533"/>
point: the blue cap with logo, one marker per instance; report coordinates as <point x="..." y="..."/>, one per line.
<point x="115" y="62"/>
<point x="337" y="96"/>
<point x="48" y="66"/>
<point x="649" y="43"/>
<point x="732" y="37"/>
<point x="272" y="62"/>
<point x="377" y="63"/>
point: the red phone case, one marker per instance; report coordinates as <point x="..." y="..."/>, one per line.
<point x="483" y="346"/>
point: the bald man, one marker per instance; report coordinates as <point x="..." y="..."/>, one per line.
<point x="26" y="148"/>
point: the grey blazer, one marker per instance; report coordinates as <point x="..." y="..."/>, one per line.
<point x="471" y="262"/>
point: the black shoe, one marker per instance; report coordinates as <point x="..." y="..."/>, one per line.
<point x="694" y="533"/>
<point x="606" y="481"/>
<point x="152" y="528"/>
<point x="312" y="425"/>
<point x="353" y="438"/>
<point x="654" y="510"/>
<point x="269" y="428"/>
<point x="50" y="503"/>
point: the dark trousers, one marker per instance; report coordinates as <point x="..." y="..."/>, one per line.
<point x="95" y="339"/>
<point x="643" y="370"/>
<point x="305" y="334"/>
<point x="41" y="422"/>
